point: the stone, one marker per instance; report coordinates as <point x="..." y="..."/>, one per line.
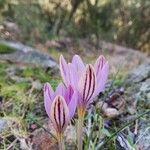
<point x="138" y="90"/>
<point x="11" y="27"/>
<point x="139" y="74"/>
<point x="143" y="139"/>
<point x="28" y="55"/>
<point x="37" y="85"/>
<point x="143" y="95"/>
<point x="138" y="85"/>
<point x="3" y="125"/>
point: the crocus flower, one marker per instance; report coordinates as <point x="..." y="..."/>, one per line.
<point x="87" y="80"/>
<point x="60" y="106"/>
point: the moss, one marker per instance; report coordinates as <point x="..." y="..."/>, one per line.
<point x="20" y="99"/>
<point x="5" y="49"/>
<point x="54" y="83"/>
<point x="14" y="91"/>
<point x="36" y="73"/>
<point x="55" y="53"/>
<point x="3" y="78"/>
<point x="118" y="79"/>
<point x="39" y="74"/>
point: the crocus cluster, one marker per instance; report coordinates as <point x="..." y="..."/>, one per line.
<point x="87" y="80"/>
<point x="81" y="84"/>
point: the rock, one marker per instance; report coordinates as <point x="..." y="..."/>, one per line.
<point x="52" y="44"/>
<point x="114" y="104"/>
<point x="59" y="44"/>
<point x="18" y="46"/>
<point x="3" y="125"/>
<point x="138" y="85"/>
<point x="12" y="74"/>
<point x="122" y="143"/>
<point x="143" y="95"/>
<point x="143" y="139"/>
<point x="11" y="27"/>
<point x="139" y="74"/>
<point x="111" y="113"/>
<point x="138" y="90"/>
<point x="37" y="85"/>
<point x="28" y="55"/>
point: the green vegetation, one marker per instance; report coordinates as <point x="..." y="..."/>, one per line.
<point x="5" y="49"/>
<point x="22" y="99"/>
<point x="20" y="93"/>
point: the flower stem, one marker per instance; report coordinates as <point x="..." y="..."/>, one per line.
<point x="61" y="142"/>
<point x="81" y="114"/>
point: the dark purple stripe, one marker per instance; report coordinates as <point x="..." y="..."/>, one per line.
<point x="63" y="117"/>
<point x="59" y="112"/>
<point x="55" y="114"/>
<point x="90" y="79"/>
<point x="93" y="88"/>
<point x="102" y="64"/>
<point x="84" y="87"/>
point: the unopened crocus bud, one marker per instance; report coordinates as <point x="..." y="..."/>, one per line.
<point x="60" y="105"/>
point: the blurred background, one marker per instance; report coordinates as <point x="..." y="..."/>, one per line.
<point x="124" y="22"/>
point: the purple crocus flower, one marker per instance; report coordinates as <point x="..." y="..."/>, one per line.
<point x="60" y="105"/>
<point x="87" y="80"/>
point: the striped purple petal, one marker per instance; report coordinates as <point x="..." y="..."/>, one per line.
<point x="102" y="78"/>
<point x="59" y="114"/>
<point x="101" y="68"/>
<point x="87" y="85"/>
<point x="99" y="64"/>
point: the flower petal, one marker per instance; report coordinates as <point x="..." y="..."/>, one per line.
<point x="60" y="90"/>
<point x="78" y="63"/>
<point x="87" y="84"/>
<point x="59" y="114"/>
<point x="102" y="79"/>
<point x="68" y="94"/>
<point x="73" y="104"/>
<point x="48" y="97"/>
<point x="99" y="64"/>
<point x="73" y="76"/>
<point x="64" y="70"/>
